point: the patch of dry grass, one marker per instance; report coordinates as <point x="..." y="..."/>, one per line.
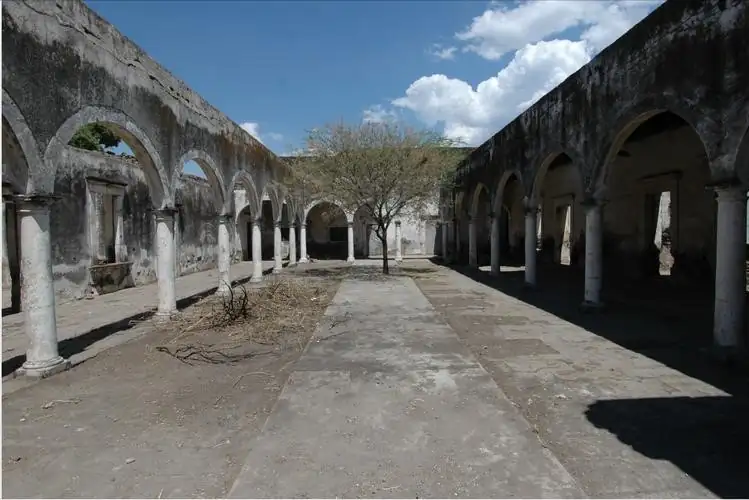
<point x="249" y="322"/>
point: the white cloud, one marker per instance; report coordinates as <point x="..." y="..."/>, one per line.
<point x="538" y="64"/>
<point x="378" y="114"/>
<point x="253" y="128"/>
<point x="443" y="53"/>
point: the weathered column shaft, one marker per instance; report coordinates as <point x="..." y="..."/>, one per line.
<point x="292" y="244"/>
<point x="224" y="253"/>
<point x="473" y="251"/>
<point x="495" y="246"/>
<point x="531" y="218"/>
<point x="303" y="259"/>
<point x="456" y="230"/>
<point x="398" y="242"/>
<point x="257" y="251"/>
<point x="277" y="239"/>
<point x="38" y="293"/>
<point x="730" y="269"/>
<point x="165" y="267"/>
<point x="593" y="253"/>
<point x="350" y="241"/>
<point x="443" y="249"/>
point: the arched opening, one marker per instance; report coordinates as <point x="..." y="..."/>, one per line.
<point x="111" y="177"/>
<point x="558" y="190"/>
<point x="198" y="200"/>
<point x="365" y="238"/>
<point x="327" y="232"/>
<point x="267" y="228"/>
<point x="659" y="220"/>
<point x="461" y="213"/>
<point x="508" y="202"/>
<point x="15" y="177"/>
<point x="245" y="202"/>
<point x="480" y="218"/>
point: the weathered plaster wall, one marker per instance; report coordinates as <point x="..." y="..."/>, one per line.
<point x="71" y="250"/>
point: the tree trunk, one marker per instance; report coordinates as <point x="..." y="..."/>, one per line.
<point x="385" y="268"/>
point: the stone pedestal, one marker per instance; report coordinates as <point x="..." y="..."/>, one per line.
<point x="224" y="253"/>
<point x="495" y="266"/>
<point x="277" y="260"/>
<point x="531" y="235"/>
<point x="38" y="294"/>
<point x="303" y="259"/>
<point x="257" y="252"/>
<point x="292" y="244"/>
<point x="350" y="241"/>
<point x="165" y="265"/>
<point x="730" y="270"/>
<point x="593" y="254"/>
<point x="398" y="242"/>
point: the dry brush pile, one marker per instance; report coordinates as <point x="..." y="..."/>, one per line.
<point x="246" y="323"/>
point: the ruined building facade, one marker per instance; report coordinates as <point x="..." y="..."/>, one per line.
<point x="652" y="129"/>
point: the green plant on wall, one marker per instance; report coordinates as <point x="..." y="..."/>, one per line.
<point x="94" y="137"/>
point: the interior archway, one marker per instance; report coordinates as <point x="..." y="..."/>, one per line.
<point x="480" y="217"/>
<point x="327" y="231"/>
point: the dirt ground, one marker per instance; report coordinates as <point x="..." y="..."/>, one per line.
<point x="137" y="422"/>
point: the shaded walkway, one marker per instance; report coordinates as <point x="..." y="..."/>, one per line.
<point x="387" y="402"/>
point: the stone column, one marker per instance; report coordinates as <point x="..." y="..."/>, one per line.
<point x="398" y="242"/>
<point x="6" y="263"/>
<point x="730" y="270"/>
<point x="445" y="229"/>
<point x="278" y="261"/>
<point x="257" y="251"/>
<point x="593" y="253"/>
<point x="350" y="240"/>
<point x="303" y="244"/>
<point x="456" y="229"/>
<point x="165" y="267"/>
<point x="531" y="244"/>
<point x="495" y="245"/>
<point x="473" y="251"/>
<point x="224" y="253"/>
<point x="292" y="244"/>
<point x="12" y="252"/>
<point x="38" y="293"/>
<point x="119" y="231"/>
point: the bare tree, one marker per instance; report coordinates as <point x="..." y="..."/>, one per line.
<point x="380" y="168"/>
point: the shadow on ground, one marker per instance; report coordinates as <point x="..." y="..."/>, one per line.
<point x="707" y="438"/>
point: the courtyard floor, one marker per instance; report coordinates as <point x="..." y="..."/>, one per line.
<point x="430" y="383"/>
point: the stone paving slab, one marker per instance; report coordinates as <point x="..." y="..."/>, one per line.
<point x="658" y="422"/>
<point x="80" y="317"/>
<point x="389" y="403"/>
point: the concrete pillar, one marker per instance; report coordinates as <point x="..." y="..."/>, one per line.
<point x="257" y="251"/>
<point x="224" y="253"/>
<point x="443" y="249"/>
<point x="531" y="244"/>
<point x="398" y="242"/>
<point x="730" y="269"/>
<point x="495" y="246"/>
<point x="11" y="252"/>
<point x="303" y="244"/>
<point x="38" y="293"/>
<point x="292" y="244"/>
<point x="473" y="251"/>
<point x="278" y="261"/>
<point x="593" y="253"/>
<point x="350" y="241"/>
<point x="165" y="266"/>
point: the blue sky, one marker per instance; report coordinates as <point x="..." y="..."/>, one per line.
<point x="280" y="68"/>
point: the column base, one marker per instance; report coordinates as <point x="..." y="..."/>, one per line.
<point x="589" y="306"/>
<point x="350" y="259"/>
<point x="277" y="270"/>
<point x="734" y="356"/>
<point x="256" y="279"/>
<point x="494" y="273"/>
<point x="303" y="260"/>
<point x="164" y="316"/>
<point x="399" y="261"/>
<point x="528" y="285"/>
<point x="44" y="370"/>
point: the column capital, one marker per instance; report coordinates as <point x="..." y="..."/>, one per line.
<point x="224" y="218"/>
<point x="165" y="213"/>
<point x="349" y="223"/>
<point x="730" y="192"/>
<point x="276" y="224"/>
<point x="397" y="223"/>
<point x="34" y="202"/>
<point x="589" y="201"/>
